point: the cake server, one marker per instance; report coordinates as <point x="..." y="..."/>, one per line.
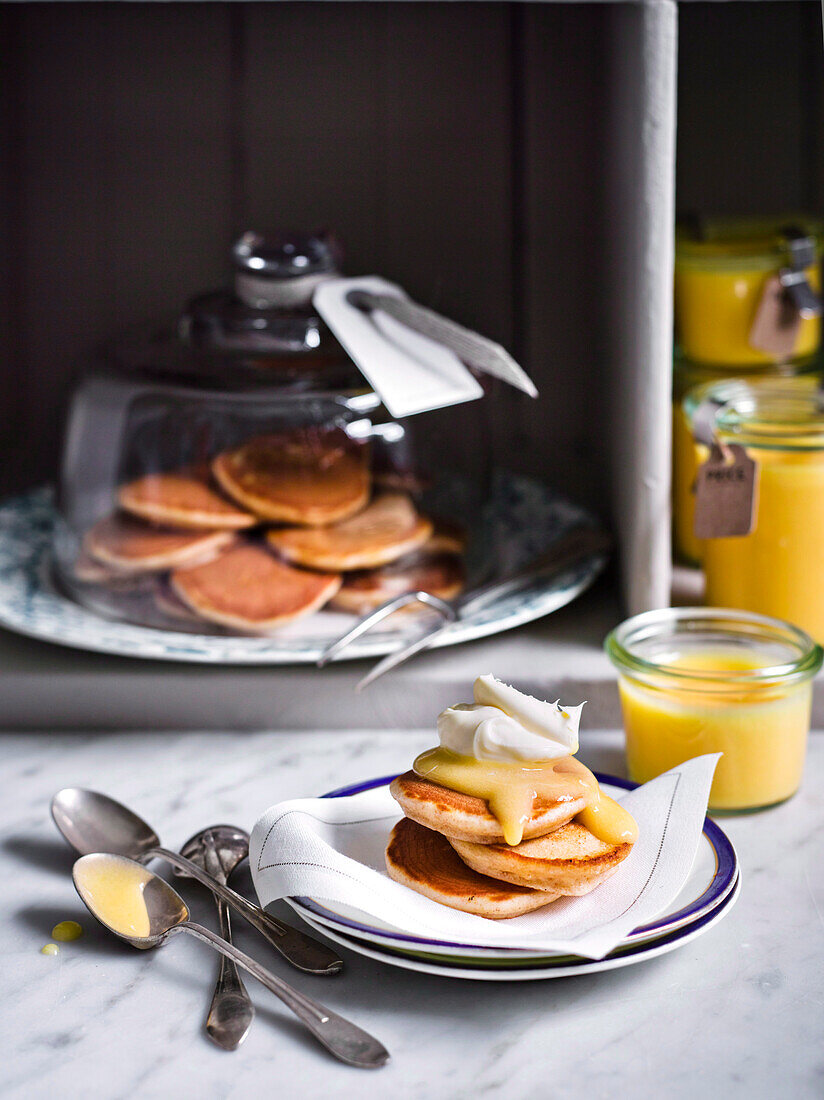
<point x="570" y="550"/>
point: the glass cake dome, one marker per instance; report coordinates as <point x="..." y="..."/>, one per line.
<point x="233" y="470"/>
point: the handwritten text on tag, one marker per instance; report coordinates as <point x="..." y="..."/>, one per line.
<point x="726" y="493"/>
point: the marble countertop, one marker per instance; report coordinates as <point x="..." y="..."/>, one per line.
<point x="737" y="1012"/>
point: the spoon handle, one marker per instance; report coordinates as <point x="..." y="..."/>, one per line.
<point x="300" y="950"/>
<point x="231" y="1012"/>
<point x="342" y="1038"/>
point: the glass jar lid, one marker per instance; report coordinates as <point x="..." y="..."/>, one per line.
<point x="781" y="413"/>
<point x="753" y="244"/>
<point x="687" y="374"/>
<point x="645" y="647"/>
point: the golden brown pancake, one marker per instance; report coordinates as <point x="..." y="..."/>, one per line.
<point x="568" y="861"/>
<point x="248" y="588"/>
<point x="184" y="498"/>
<point x="437" y="573"/>
<point x="425" y="862"/>
<point x="131" y="546"/>
<point x="385" y="530"/>
<point x="310" y="477"/>
<point x="464" y="817"/>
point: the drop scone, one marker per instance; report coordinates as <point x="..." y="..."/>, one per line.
<point x="519" y="812"/>
<point x="249" y="589"/>
<point x="183" y="498"/>
<point x="439" y="574"/>
<point x="384" y="531"/>
<point x="131" y="546"/>
<point x="88" y="570"/>
<point x="425" y="861"/>
<point x="305" y="477"/>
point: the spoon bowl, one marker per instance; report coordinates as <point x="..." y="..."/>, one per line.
<point x="227" y="843"/>
<point x="113" y="888"/>
<point x="93" y="822"/>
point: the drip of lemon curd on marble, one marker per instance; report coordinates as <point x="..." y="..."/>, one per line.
<point x="113" y="889"/>
<point x="66" y="931"/>
<point x="509" y="750"/>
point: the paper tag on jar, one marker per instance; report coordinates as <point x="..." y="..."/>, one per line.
<point x="777" y="322"/>
<point x="726" y="493"/>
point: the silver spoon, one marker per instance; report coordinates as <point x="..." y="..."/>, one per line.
<point x="93" y="822"/>
<point x="105" y="882"/>
<point x="218" y="851"/>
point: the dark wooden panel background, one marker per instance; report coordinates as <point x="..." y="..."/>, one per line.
<point x="456" y="147"/>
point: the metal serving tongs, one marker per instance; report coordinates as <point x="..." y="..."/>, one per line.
<point x="575" y="547"/>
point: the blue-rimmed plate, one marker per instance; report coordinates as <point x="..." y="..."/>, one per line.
<point x="536" y="968"/>
<point x="524" y="518"/>
<point x="712" y="878"/>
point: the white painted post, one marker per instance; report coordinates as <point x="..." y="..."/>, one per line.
<point x="641" y="103"/>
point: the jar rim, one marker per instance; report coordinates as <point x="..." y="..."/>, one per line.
<point x="785" y="413"/>
<point x="770" y="418"/>
<point x="756" y="244"/>
<point x="729" y="625"/>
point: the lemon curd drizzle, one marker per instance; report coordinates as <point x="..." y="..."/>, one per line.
<point x="115" y="888"/>
<point x="510" y="790"/>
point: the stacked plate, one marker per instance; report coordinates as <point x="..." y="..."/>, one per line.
<point x="708" y="895"/>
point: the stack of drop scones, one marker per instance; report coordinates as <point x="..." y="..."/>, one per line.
<point x="451" y="847"/>
<point x="270" y="532"/>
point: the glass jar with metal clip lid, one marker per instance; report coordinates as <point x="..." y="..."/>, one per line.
<point x="748" y="290"/>
<point x="775" y="569"/>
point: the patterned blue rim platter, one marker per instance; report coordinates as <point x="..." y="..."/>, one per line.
<point x="721" y="883"/>
<point x="536" y="968"/>
<point x="526" y="515"/>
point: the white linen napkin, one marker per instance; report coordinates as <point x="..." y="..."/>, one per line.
<point x="331" y="849"/>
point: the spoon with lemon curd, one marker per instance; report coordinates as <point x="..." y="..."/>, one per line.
<point x="93" y="822"/>
<point x="143" y="909"/>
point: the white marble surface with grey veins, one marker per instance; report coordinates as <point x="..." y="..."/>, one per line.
<point x="737" y="1012"/>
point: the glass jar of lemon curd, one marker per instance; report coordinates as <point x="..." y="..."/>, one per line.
<point x="777" y="568"/>
<point x="697" y="680"/>
<point x="722" y="267"/>
<point x="692" y="383"/>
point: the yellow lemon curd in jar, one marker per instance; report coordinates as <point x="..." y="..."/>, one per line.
<point x="760" y="729"/>
<point x="689" y="453"/>
<point x="687" y="456"/>
<point x="778" y="569"/>
<point x="719" y="281"/>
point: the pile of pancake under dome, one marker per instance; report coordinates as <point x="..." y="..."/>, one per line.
<point x="268" y="533"/>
